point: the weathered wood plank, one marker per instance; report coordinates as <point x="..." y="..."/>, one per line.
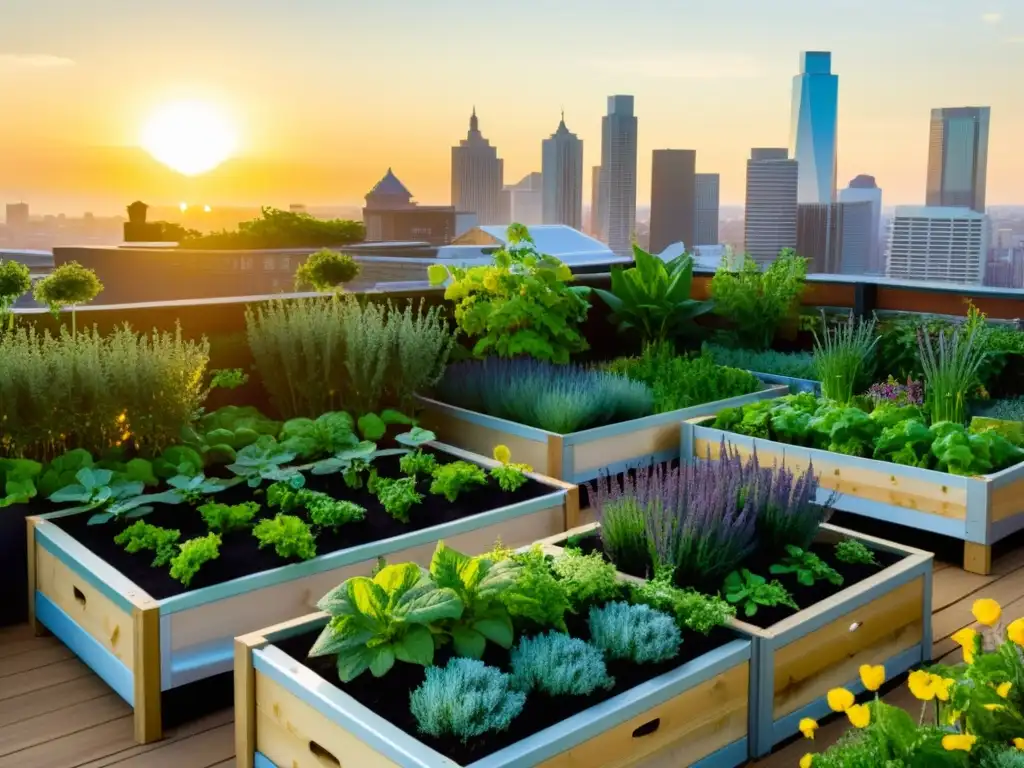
<point x="201" y="750"/>
<point x="173" y="736"/>
<point x="33" y="659"/>
<point x="35" y="679"/>
<point x="51" y="699"/>
<point x="44" y="728"/>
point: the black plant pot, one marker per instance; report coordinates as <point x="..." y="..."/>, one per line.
<point x="14" y="564"/>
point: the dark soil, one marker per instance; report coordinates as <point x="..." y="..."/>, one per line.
<point x="240" y="554"/>
<point x="389" y="696"/>
<point x="760" y="564"/>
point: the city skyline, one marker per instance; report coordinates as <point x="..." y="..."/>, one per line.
<point x="313" y="126"/>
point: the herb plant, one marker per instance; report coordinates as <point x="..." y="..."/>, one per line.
<point x="417" y="463"/>
<point x="807" y="567"/>
<point x="796" y="365"/>
<point x="691" y="609"/>
<point x="18" y="481"/>
<point x="751" y="591"/>
<point x="854" y="552"/>
<point x="451" y="479"/>
<point x="538" y="597"/>
<point x="323" y="510"/>
<point x="519" y="305"/>
<point x="290" y="536"/>
<point x="511" y="477"/>
<point x="325" y="271"/>
<point x="96" y="489"/>
<point x="139" y="536"/>
<point x="891" y="391"/>
<point x="558" y="665"/>
<point x="637" y="633"/>
<point x="224" y="518"/>
<point x="950" y="373"/>
<point x="842" y="355"/>
<point x="192" y="555"/>
<point x="586" y="579"/>
<point x="397" y="496"/>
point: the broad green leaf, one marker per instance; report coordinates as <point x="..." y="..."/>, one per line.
<point x="426" y="604"/>
<point x="396" y="580"/>
<point x="383" y="660"/>
<point x="140" y="471"/>
<point x="391" y="416"/>
<point x="497" y="629"/>
<point x="353" y="663"/>
<point x="468" y="642"/>
<point x="372" y="426"/>
<point x="499" y="577"/>
<point x="368" y="598"/>
<point x="327" y="643"/>
<point x="100" y="519"/>
<point x="71" y="493"/>
<point x="417" y="647"/>
<point x="448" y="565"/>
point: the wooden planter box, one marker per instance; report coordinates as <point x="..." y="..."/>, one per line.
<point x="287" y="716"/>
<point x="578" y="456"/>
<point x="978" y="510"/>
<point x="142" y="646"/>
<point x="795" y="385"/>
<point x="884" y="619"/>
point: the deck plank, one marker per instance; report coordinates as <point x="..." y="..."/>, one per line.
<point x="51" y="699"/>
<point x="47" y="727"/>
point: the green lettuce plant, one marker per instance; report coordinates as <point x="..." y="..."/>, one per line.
<point x="323" y="510"/>
<point x="397" y="496"/>
<point x="192" y="555"/>
<point x="290" y="536"/>
<point x="451" y="479"/>
<point x="538" y="597"/>
<point x="224" y="518"/>
<point x="140" y="535"/>
<point x="220" y="434"/>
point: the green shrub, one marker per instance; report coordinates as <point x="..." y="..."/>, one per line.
<point x="586" y="578"/>
<point x="852" y="551"/>
<point x="278" y="229"/>
<point x="451" y="479"/>
<point x="69" y="285"/>
<point x="465" y="699"/>
<point x="96" y="391"/>
<point x="692" y="610"/>
<point x="15" y="282"/>
<point x="193" y="554"/>
<point x="372" y="356"/>
<point x="224" y="518"/>
<point x="417" y="463"/>
<point x="796" y="365"/>
<point x="558" y="665"/>
<point x="139" y="536"/>
<point x="636" y="633"/>
<point x="289" y="535"/>
<point x="326" y="271"/>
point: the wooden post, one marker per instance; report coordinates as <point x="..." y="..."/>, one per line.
<point x="555" y="448"/>
<point x="572" y="508"/>
<point x="38" y="629"/>
<point x="977" y="558"/>
<point x="146" y="674"/>
<point x="245" y="699"/>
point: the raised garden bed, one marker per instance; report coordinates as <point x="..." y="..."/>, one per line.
<point x="980" y="510"/>
<point x="144" y="633"/>
<point x="795" y="385"/>
<point x="879" y="613"/>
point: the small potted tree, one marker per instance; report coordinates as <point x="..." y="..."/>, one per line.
<point x="69" y="285"/>
<point x="15" y="282"/>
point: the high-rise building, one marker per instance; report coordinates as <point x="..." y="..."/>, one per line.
<point x="769" y="222"/>
<point x="17" y="215"/>
<point x="524" y="202"/>
<point x="673" y="198"/>
<point x="562" y="168"/>
<point x="958" y="157"/>
<point x="813" y="138"/>
<point x="948" y="245"/>
<point x="863" y="189"/>
<point x="477" y="174"/>
<point x="618" y="174"/>
<point x="596" y="204"/>
<point x="834" y="236"/>
<point x="707" y="209"/>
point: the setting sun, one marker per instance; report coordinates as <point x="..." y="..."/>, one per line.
<point x="192" y="137"/>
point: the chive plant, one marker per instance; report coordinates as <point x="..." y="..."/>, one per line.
<point x="839" y="355"/>
<point x="950" y="372"/>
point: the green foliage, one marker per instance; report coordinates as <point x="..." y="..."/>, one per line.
<point x="397" y="496"/>
<point x="417" y="463"/>
<point x="18" y="481"/>
<point x="624" y="533"/>
<point x="520" y="305"/>
<point x="224" y="518"/>
<point x="510" y="477"/>
<point x="451" y="479"/>
<point x="1009" y="758"/>
<point x="691" y="609"/>
<point x="756" y="302"/>
<point x="950" y="372"/>
<point x="192" y="555"/>
<point x="220" y="434"/>
<point x="69" y="285"/>
<point x="290" y="536"/>
<point x="96" y="391"/>
<point x="1010" y="430"/>
<point x="228" y="378"/>
<point x="853" y="552"/>
<point x="752" y="591"/>
<point x="679" y="382"/>
<point x="278" y="229"/>
<point x="558" y="665"/>
<point x="587" y="579"/>
<point x="330" y="432"/>
<point x="326" y="271"/>
<point x="892" y="740"/>
<point x="842" y="356"/>
<point x="178" y="460"/>
<point x="376" y="621"/>
<point x="192" y="488"/>
<point x="262" y="460"/>
<point x="97" y="490"/>
<point x="653" y="297"/>
<point x="15" y="282"/>
<point x="465" y="699"/>
<point x="637" y="633"/>
<point x="538" y="597"/>
<point x="351" y="462"/>
<point x="139" y="536"/>
<point x="374" y="356"/>
<point x="807" y="567"/>
<point x="796" y="365"/>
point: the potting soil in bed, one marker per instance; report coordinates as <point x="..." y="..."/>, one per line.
<point x="240" y="554"/>
<point x="388" y="696"/>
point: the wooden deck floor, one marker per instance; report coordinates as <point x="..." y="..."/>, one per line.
<point x="54" y="713"/>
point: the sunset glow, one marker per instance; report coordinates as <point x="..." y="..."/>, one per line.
<point x="190" y="137"/>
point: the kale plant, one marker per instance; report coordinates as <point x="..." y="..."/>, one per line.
<point x="323" y="510"/>
<point x="465" y="699"/>
<point x="224" y="518"/>
<point x="559" y="665"/>
<point x="586" y="579"/>
<point x="417" y="463"/>
<point x="192" y="555"/>
<point x="692" y="610"/>
<point x="350" y="462"/>
<point x="637" y="633"/>
<point x="139" y="536"/>
<point x="329" y="433"/>
<point x="193" y="488"/>
<point x="451" y="479"/>
<point x="96" y="489"/>
<point x="262" y="460"/>
<point x="807" y="566"/>
<point x="396" y="496"/>
<point x="290" y="536"/>
<point x="854" y="552"/>
<point x="751" y="591"/>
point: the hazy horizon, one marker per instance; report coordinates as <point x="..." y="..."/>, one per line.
<point x="325" y="95"/>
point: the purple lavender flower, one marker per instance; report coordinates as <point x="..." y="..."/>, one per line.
<point x="891" y="391"/>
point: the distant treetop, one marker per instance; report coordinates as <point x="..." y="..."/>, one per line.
<point x="280" y="229"/>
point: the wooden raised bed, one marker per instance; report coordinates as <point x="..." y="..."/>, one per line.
<point x="884" y="619"/>
<point x="578" y="456"/>
<point x="142" y="646"/>
<point x="978" y="510"/>
<point x="795" y="385"/>
<point x="288" y="716"/>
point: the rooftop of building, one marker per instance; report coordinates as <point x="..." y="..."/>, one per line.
<point x="937" y="212"/>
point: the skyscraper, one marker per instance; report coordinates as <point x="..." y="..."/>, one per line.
<point x="673" y="198"/>
<point x="834" y="236"/>
<point x="17" y="215"/>
<point x="958" y="157"/>
<point x="769" y="222"/>
<point x="948" y="245"/>
<point x="707" y="209"/>
<point x="477" y="174"/>
<point x="596" y="204"/>
<point x="523" y="203"/>
<point x="618" y="174"/>
<point x="864" y="189"/>
<point x="813" y="128"/>
<point x="562" y="169"/>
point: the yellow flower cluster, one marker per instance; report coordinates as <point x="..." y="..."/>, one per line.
<point x="926" y="686"/>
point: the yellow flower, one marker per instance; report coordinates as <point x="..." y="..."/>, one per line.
<point x="806" y="760"/>
<point x="1019" y="743"/>
<point x="987" y="611"/>
<point x="1016" y="631"/>
<point x="859" y="715"/>
<point x="921" y="685"/>
<point x="491" y="281"/>
<point x="958" y="741"/>
<point x="872" y="676"/>
<point x="993" y="707"/>
<point x="437" y="273"/>
<point x="122" y="418"/>
<point x="502" y="454"/>
<point x="942" y="686"/>
<point x="839" y="699"/>
<point x="1003" y="689"/>
<point x="966" y="638"/>
<point x="808" y="727"/>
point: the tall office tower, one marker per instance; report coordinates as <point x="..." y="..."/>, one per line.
<point x="707" y="209"/>
<point x="834" y="236"/>
<point x="673" y="198"/>
<point x="562" y="168"/>
<point x="813" y="128"/>
<point x="958" y="157"/>
<point x="769" y="222"/>
<point x="947" y="245"/>
<point x="17" y="215"/>
<point x="524" y="202"/>
<point x="863" y="189"/>
<point x="596" y="204"/>
<point x="618" y="174"/>
<point x="477" y="174"/>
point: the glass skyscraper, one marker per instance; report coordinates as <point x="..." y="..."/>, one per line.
<point x="958" y="158"/>
<point x="813" y="129"/>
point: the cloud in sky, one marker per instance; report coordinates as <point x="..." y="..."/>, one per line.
<point x="23" y="61"/>
<point x="992" y="18"/>
<point x="683" y="66"/>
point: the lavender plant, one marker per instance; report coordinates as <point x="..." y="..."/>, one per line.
<point x="558" y="398"/>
